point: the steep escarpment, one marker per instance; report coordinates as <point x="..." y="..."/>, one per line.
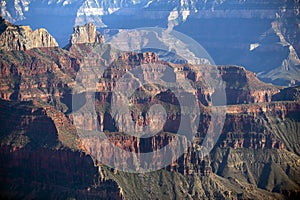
<point x="32" y="124"/>
<point x="243" y="86"/>
<point x="288" y="94"/>
<point x="20" y="38"/>
<point x="36" y="151"/>
<point x="55" y="174"/>
<point x="261" y="126"/>
<point x="23" y="124"/>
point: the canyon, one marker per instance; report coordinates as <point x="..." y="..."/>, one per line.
<point x="245" y="33"/>
<point x="44" y="154"/>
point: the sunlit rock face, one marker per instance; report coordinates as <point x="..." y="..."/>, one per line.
<point x="86" y="34"/>
<point x="23" y="38"/>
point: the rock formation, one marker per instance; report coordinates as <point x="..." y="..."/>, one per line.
<point x="22" y="38"/>
<point x="86" y="34"/>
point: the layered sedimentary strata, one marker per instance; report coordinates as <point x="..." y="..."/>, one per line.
<point x="37" y="149"/>
<point x="54" y="174"/>
<point x="36" y="73"/>
<point x="20" y="38"/>
<point x="86" y="34"/>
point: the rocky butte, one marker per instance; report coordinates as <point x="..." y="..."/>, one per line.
<point x="86" y="34"/>
<point x="42" y="156"/>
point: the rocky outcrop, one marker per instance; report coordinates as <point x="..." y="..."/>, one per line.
<point x="288" y="94"/>
<point x="66" y="131"/>
<point x="86" y="34"/>
<point x="243" y="86"/>
<point x="136" y="59"/>
<point x="41" y="38"/>
<point x="22" y="38"/>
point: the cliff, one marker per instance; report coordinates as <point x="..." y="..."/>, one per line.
<point x="22" y="38"/>
<point x="288" y="94"/>
<point x="36" y="73"/>
<point x="243" y="86"/>
<point x="86" y="34"/>
<point x="24" y="125"/>
<point x="38" y="149"/>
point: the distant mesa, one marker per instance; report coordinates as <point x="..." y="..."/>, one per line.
<point x="21" y="38"/>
